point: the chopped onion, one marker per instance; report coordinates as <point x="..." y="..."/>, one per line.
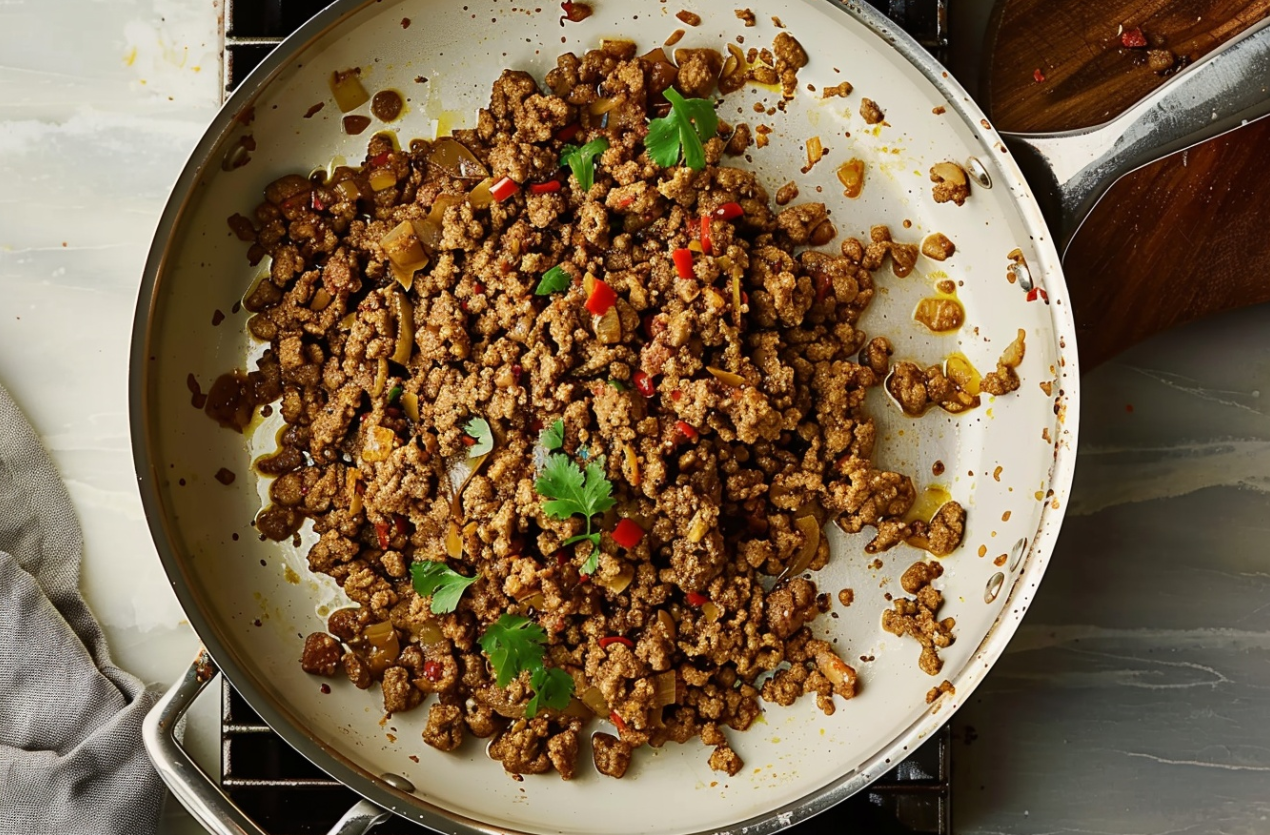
<point x="321" y="300"/>
<point x="851" y="175"/>
<point x="810" y="528"/>
<point x="384" y="647"/>
<point x="712" y="611"/>
<point x="665" y="689"/>
<point x="382" y="178"/>
<point x="381" y="378"/>
<point x="577" y="709"/>
<point x="349" y="190"/>
<point x="601" y="106"/>
<point x="429" y="229"/>
<point x="354" y="497"/>
<point x="698" y="528"/>
<point x="594" y="699"/>
<point x="453" y="541"/>
<point x="726" y="376"/>
<point x="535" y="601"/>
<point x="736" y="298"/>
<point x="619" y="582"/>
<point x="428" y="632"/>
<point x="405" y="311"/>
<point x="410" y="404"/>
<point x="480" y="197"/>
<point x="346" y="86"/>
<point x="454" y="158"/>
<point x="667" y="624"/>
<point x="815" y="150"/>
<point x="402" y="245"/>
<point x="347" y="322"/>
<point x="380" y="442"/>
<point x="608" y="328"/>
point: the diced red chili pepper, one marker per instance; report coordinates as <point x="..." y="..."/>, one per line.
<point x="683" y="262"/>
<point x="601" y="298"/>
<point x="707" y="244"/>
<point x="468" y="440"/>
<point x="729" y="211"/>
<point x="1133" y="38"/>
<point x="644" y="384"/>
<point x="568" y="131"/>
<point x="686" y="429"/>
<point x="823" y="284"/>
<point x="316" y="202"/>
<point x="399" y="522"/>
<point x="381" y="532"/>
<point x="503" y="189"/>
<point x="545" y="188"/>
<point x="432" y="670"/>
<point x="618" y="721"/>
<point x="745" y="297"/>
<point x="627" y="534"/>
<point x="463" y="305"/>
<point x="676" y="395"/>
<point x="696" y="599"/>
<point x="1045" y="297"/>
<point x="616" y="639"/>
<point x="1037" y="75"/>
<point x="1033" y="293"/>
<point x="380" y="159"/>
<point x="625" y="201"/>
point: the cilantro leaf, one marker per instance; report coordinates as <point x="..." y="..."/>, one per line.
<point x="553" y="280"/>
<point x="552" y="438"/>
<point x="571" y="491"/>
<point x="581" y="161"/>
<point x="690" y="123"/>
<point x="552" y="687"/>
<point x="443" y="585"/>
<point x="478" y="428"/>
<point x="592" y="563"/>
<point x="513" y="643"/>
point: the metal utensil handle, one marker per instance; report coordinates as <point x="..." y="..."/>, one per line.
<point x="198" y="793"/>
<point x="1228" y="88"/>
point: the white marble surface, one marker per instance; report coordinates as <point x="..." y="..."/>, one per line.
<point x="1134" y="700"/>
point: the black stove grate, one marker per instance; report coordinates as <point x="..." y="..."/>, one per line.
<point x="287" y="795"/>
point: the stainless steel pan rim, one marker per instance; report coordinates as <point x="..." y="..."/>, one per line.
<point x="293" y="728"/>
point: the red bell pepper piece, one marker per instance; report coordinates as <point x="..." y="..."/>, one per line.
<point x="696" y="599"/>
<point x="381" y="532"/>
<point x="545" y="188"/>
<point x="627" y="534"/>
<point x="683" y="262"/>
<point x="686" y="429"/>
<point x="616" y="639"/>
<point x="503" y="189"/>
<point x="601" y="299"/>
<point x="644" y="384"/>
<point x="707" y="245"/>
<point x="568" y="131"/>
<point x="729" y="211"/>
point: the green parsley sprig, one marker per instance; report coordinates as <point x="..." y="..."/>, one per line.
<point x="514" y="644"/>
<point x="438" y="581"/>
<point x="581" y="161"/>
<point x="478" y="428"/>
<point x="552" y="438"/>
<point x="574" y="490"/>
<point x="689" y="123"/>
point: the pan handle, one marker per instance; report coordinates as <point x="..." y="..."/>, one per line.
<point x="198" y="793"/>
<point x="1069" y="171"/>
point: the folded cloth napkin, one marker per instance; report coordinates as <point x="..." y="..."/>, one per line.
<point x="71" y="758"/>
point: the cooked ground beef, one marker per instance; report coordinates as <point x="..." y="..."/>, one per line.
<point x="916" y="616"/>
<point x="726" y="410"/>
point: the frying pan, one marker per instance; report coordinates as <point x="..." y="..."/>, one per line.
<point x="1009" y="462"/>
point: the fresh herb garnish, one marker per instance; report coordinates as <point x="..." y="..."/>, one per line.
<point x="514" y="644"/>
<point x="553" y="280"/>
<point x="478" y="428"/>
<point x="581" y="161"/>
<point x="573" y="491"/>
<point x="552" y="438"/>
<point x="444" y="585"/>
<point x="393" y="394"/>
<point x="617" y="384"/>
<point x="689" y="123"/>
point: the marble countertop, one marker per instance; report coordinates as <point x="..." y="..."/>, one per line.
<point x="1133" y="699"/>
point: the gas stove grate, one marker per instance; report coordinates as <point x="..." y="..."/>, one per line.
<point x="287" y="795"/>
<point x="254" y="27"/>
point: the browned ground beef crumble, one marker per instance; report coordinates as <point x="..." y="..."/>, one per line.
<point x="777" y="446"/>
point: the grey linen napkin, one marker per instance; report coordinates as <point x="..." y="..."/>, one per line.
<point x="71" y="758"/>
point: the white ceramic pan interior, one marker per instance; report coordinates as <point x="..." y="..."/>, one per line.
<point x="1009" y="462"/>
